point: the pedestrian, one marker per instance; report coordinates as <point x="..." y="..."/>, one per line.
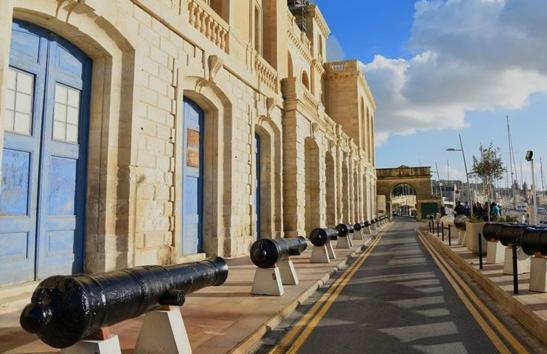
<point x="495" y="212"/>
<point x="459" y="209"/>
<point x="467" y="210"/>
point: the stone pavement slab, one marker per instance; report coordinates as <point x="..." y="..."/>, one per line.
<point x="217" y="318"/>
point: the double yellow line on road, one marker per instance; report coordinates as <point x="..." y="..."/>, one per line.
<point x="488" y="322"/>
<point x="299" y="333"/>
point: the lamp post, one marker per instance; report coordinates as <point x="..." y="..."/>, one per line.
<point x="533" y="214"/>
<point x="469" y="198"/>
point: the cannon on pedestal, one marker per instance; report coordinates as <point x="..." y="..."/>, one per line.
<point x="358" y="231"/>
<point x="322" y="251"/>
<point x="66" y="309"/>
<point x="534" y="243"/>
<point x="366" y="227"/>
<point x="344" y="236"/>
<point x="495" y="251"/>
<point x="275" y="268"/>
<point x="516" y="261"/>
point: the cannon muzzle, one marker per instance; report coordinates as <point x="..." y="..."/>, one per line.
<point x="265" y="253"/>
<point x="344" y="229"/>
<point x="319" y="237"/>
<point x="66" y="309"/>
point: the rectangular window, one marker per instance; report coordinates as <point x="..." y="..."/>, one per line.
<point x="66" y="114"/>
<point x="19" y="102"/>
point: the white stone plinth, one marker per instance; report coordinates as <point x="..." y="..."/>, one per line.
<point x="320" y="254"/>
<point x="523" y="261"/>
<point x="287" y="272"/>
<point x="538" y="274"/>
<point x="330" y="250"/>
<point x="267" y="281"/>
<point x="163" y="331"/>
<point x="105" y="346"/>
<point x="495" y="252"/>
<point x="343" y="243"/>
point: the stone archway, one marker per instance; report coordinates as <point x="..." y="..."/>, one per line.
<point x="418" y="178"/>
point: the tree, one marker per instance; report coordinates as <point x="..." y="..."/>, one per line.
<point x="489" y="167"/>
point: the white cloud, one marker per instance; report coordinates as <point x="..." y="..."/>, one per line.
<point x="470" y="55"/>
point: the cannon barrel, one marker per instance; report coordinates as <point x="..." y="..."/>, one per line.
<point x="344" y="229"/>
<point x="534" y="240"/>
<point x="66" y="309"/>
<point x="511" y="234"/>
<point x="491" y="231"/>
<point x="357" y="226"/>
<point x="265" y="253"/>
<point x="460" y="222"/>
<point x="319" y="237"/>
<point x="367" y="223"/>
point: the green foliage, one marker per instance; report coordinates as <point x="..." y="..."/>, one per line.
<point x="474" y="219"/>
<point x="490" y="165"/>
<point x="508" y="219"/>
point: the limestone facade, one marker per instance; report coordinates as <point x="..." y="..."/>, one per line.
<point x="254" y="73"/>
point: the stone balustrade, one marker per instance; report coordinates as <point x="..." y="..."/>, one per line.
<point x="266" y="73"/>
<point x="209" y="23"/>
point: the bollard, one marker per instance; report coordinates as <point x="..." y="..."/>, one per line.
<point x="438" y="231"/>
<point x="515" y="271"/>
<point x="442" y="232"/>
<point x="449" y="236"/>
<point x="480" y="250"/>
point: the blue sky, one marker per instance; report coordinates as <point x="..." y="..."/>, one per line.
<point x="394" y="39"/>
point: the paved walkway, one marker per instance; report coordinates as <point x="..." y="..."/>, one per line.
<point x="217" y="318"/>
<point x="398" y="301"/>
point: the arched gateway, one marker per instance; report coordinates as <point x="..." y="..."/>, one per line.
<point x="406" y="181"/>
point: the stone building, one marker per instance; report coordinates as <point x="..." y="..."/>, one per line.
<point x="157" y="131"/>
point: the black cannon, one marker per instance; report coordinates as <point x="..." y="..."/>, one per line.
<point x="460" y="222"/>
<point x="265" y="253"/>
<point x="319" y="237"/>
<point x="67" y="309"/>
<point x="534" y="240"/>
<point x="366" y="223"/>
<point x="344" y="230"/>
<point x="491" y="231"/>
<point x="357" y="226"/>
<point x="511" y="234"/>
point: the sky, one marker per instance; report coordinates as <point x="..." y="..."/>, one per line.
<point x="439" y="68"/>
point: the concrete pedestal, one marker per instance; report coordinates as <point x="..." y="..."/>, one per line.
<point x="320" y="254"/>
<point x="461" y="237"/>
<point x="105" y="346"/>
<point x="330" y="250"/>
<point x="267" y="281"/>
<point x="367" y="230"/>
<point x="495" y="252"/>
<point x="474" y="231"/>
<point x="523" y="262"/>
<point x="538" y="274"/>
<point x="163" y="331"/>
<point x="343" y="243"/>
<point x="358" y="235"/>
<point x="287" y="272"/>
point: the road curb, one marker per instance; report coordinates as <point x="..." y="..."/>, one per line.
<point x="522" y="313"/>
<point x="252" y="340"/>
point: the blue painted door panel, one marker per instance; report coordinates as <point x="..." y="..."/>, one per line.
<point x="42" y="198"/>
<point x="192" y="233"/>
<point x="257" y="186"/>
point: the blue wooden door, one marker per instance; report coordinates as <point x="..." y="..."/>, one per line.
<point x="192" y="233"/>
<point x="43" y="166"/>
<point x="256" y="201"/>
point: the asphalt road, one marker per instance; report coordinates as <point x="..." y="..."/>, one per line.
<point x="398" y="301"/>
